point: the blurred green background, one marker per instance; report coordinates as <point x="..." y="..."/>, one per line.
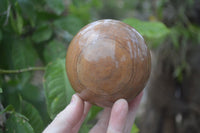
<point x="35" y="34"/>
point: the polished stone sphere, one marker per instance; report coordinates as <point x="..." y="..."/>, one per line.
<point x="108" y="60"/>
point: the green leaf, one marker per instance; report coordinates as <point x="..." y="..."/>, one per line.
<point x="17" y="21"/>
<point x="43" y="33"/>
<point x="31" y="92"/>
<point x="153" y="31"/>
<point x="57" y="6"/>
<point x="35" y="95"/>
<point x="93" y="112"/>
<point x="90" y="119"/>
<point x="29" y="12"/>
<point x="1" y="91"/>
<point x="58" y="90"/>
<point x="134" y="129"/>
<point x="11" y="97"/>
<point x="9" y="108"/>
<point x="29" y="111"/>
<point x="175" y="35"/>
<point x="149" y="29"/>
<point x="82" y="11"/>
<point x="71" y="24"/>
<point x="13" y="23"/>
<point x="17" y="123"/>
<point x="54" y="50"/>
<point x="23" y="54"/>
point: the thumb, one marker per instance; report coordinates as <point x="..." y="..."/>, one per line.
<point x="68" y="118"/>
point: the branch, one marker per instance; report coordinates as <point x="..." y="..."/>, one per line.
<point x="22" y="70"/>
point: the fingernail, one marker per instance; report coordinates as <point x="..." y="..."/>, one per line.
<point x="121" y="104"/>
<point x="73" y="99"/>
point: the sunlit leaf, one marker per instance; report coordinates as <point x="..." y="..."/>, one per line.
<point x="17" y="123"/>
<point x="57" y="87"/>
<point x="154" y="32"/>
<point x="148" y="29"/>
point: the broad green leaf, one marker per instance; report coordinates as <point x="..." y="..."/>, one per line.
<point x="17" y="123"/>
<point x="35" y="95"/>
<point x="43" y="33"/>
<point x="153" y="31"/>
<point x="31" y="92"/>
<point x="58" y="90"/>
<point x="57" y="6"/>
<point x="1" y="91"/>
<point x="11" y="97"/>
<point x="31" y="113"/>
<point x="71" y="24"/>
<point x="23" y="55"/>
<point x="54" y="50"/>
<point x="148" y="29"/>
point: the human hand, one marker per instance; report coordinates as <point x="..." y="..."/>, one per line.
<point x="118" y="119"/>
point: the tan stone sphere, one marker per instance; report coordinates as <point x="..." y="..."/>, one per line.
<point x="108" y="60"/>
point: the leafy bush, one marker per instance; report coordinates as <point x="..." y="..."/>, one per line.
<point x="34" y="36"/>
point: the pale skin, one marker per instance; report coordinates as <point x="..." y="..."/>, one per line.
<point x="118" y="119"/>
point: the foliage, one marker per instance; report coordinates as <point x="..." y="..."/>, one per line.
<point x="35" y="34"/>
<point x="153" y="32"/>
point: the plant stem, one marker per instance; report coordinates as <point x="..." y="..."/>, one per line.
<point x="22" y="70"/>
